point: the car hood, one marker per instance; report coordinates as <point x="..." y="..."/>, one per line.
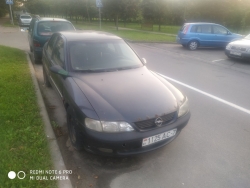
<point x="242" y="42"/>
<point x="127" y="95"/>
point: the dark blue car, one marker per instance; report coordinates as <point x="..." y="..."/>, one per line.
<point x="194" y="35"/>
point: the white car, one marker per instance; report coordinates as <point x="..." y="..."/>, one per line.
<point x="25" y="19"/>
<point x="239" y="48"/>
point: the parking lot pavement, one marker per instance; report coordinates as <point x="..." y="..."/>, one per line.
<point x="218" y="56"/>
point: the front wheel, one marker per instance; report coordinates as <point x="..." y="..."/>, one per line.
<point x="193" y="45"/>
<point x="75" y="135"/>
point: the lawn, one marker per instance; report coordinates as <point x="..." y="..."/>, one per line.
<point x="24" y="146"/>
<point x="128" y="34"/>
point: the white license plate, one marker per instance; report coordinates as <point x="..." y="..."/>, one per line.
<point x="159" y="137"/>
<point x="235" y="53"/>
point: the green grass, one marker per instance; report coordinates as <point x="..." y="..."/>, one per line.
<point x="23" y="145"/>
<point x="7" y="23"/>
<point x="128" y="34"/>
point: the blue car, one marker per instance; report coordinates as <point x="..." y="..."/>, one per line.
<point x="40" y="31"/>
<point x="194" y="35"/>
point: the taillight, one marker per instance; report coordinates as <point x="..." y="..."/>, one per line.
<point x="185" y="29"/>
<point x="36" y="44"/>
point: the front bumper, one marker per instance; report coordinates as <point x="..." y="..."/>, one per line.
<point x="237" y="54"/>
<point x="129" y="143"/>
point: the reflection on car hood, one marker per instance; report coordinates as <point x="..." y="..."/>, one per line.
<point x="242" y="42"/>
<point x="128" y="95"/>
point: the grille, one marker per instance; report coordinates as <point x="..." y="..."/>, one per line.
<point x="238" y="48"/>
<point x="150" y="123"/>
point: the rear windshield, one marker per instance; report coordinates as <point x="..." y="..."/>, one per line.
<point x="47" y="28"/>
<point x="25" y="17"/>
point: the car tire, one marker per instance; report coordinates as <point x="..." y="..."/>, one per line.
<point x="193" y="45"/>
<point x="74" y="132"/>
<point x="36" y="60"/>
<point x="46" y="79"/>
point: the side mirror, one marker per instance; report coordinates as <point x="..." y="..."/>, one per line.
<point x="59" y="70"/>
<point x="144" y="61"/>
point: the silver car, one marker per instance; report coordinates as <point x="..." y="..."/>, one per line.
<point x="25" y="19"/>
<point x="239" y="49"/>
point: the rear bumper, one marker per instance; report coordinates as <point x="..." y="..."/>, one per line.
<point x="182" y="40"/>
<point x="130" y="143"/>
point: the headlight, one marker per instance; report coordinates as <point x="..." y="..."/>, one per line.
<point x="108" y="126"/>
<point x="183" y="108"/>
<point x="228" y="47"/>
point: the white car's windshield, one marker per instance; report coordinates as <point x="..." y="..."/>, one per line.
<point x="247" y="37"/>
<point x="102" y="56"/>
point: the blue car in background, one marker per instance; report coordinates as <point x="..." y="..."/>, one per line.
<point x="194" y="35"/>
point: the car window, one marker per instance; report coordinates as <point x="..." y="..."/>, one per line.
<point x="205" y="29"/>
<point x="102" y="55"/>
<point x="51" y="44"/>
<point x="193" y="29"/>
<point x="58" y="52"/>
<point x="201" y="29"/>
<point x="247" y="37"/>
<point x="47" y="28"/>
<point x="25" y="17"/>
<point x="219" y="30"/>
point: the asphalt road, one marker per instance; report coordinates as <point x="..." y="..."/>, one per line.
<point x="213" y="150"/>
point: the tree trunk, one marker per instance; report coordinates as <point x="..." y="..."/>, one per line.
<point x="116" y="23"/>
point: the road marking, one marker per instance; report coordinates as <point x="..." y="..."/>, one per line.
<point x="207" y="94"/>
<point x="218" y="60"/>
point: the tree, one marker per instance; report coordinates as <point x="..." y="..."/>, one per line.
<point x="3" y="8"/>
<point x="155" y="11"/>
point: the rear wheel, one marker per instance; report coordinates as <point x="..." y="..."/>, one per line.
<point x="36" y="59"/>
<point x="193" y="45"/>
<point x="74" y="132"/>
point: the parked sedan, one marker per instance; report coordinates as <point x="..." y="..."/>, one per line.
<point x="40" y="31"/>
<point x="239" y="49"/>
<point x="114" y="104"/>
<point x="24" y="19"/>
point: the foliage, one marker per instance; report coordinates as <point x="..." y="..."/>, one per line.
<point x="232" y="13"/>
<point x="3" y="8"/>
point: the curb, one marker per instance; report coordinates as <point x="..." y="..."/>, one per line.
<point x="54" y="148"/>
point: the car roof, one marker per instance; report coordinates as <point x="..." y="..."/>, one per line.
<point x="197" y="23"/>
<point x="50" y="19"/>
<point x="87" y="35"/>
<point x="25" y="15"/>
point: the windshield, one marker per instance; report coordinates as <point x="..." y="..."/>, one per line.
<point x="102" y="56"/>
<point x="247" y="37"/>
<point x="49" y="27"/>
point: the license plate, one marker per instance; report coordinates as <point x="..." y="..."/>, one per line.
<point x="235" y="53"/>
<point x="159" y="137"/>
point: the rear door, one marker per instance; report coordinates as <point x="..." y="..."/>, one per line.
<point x="204" y="33"/>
